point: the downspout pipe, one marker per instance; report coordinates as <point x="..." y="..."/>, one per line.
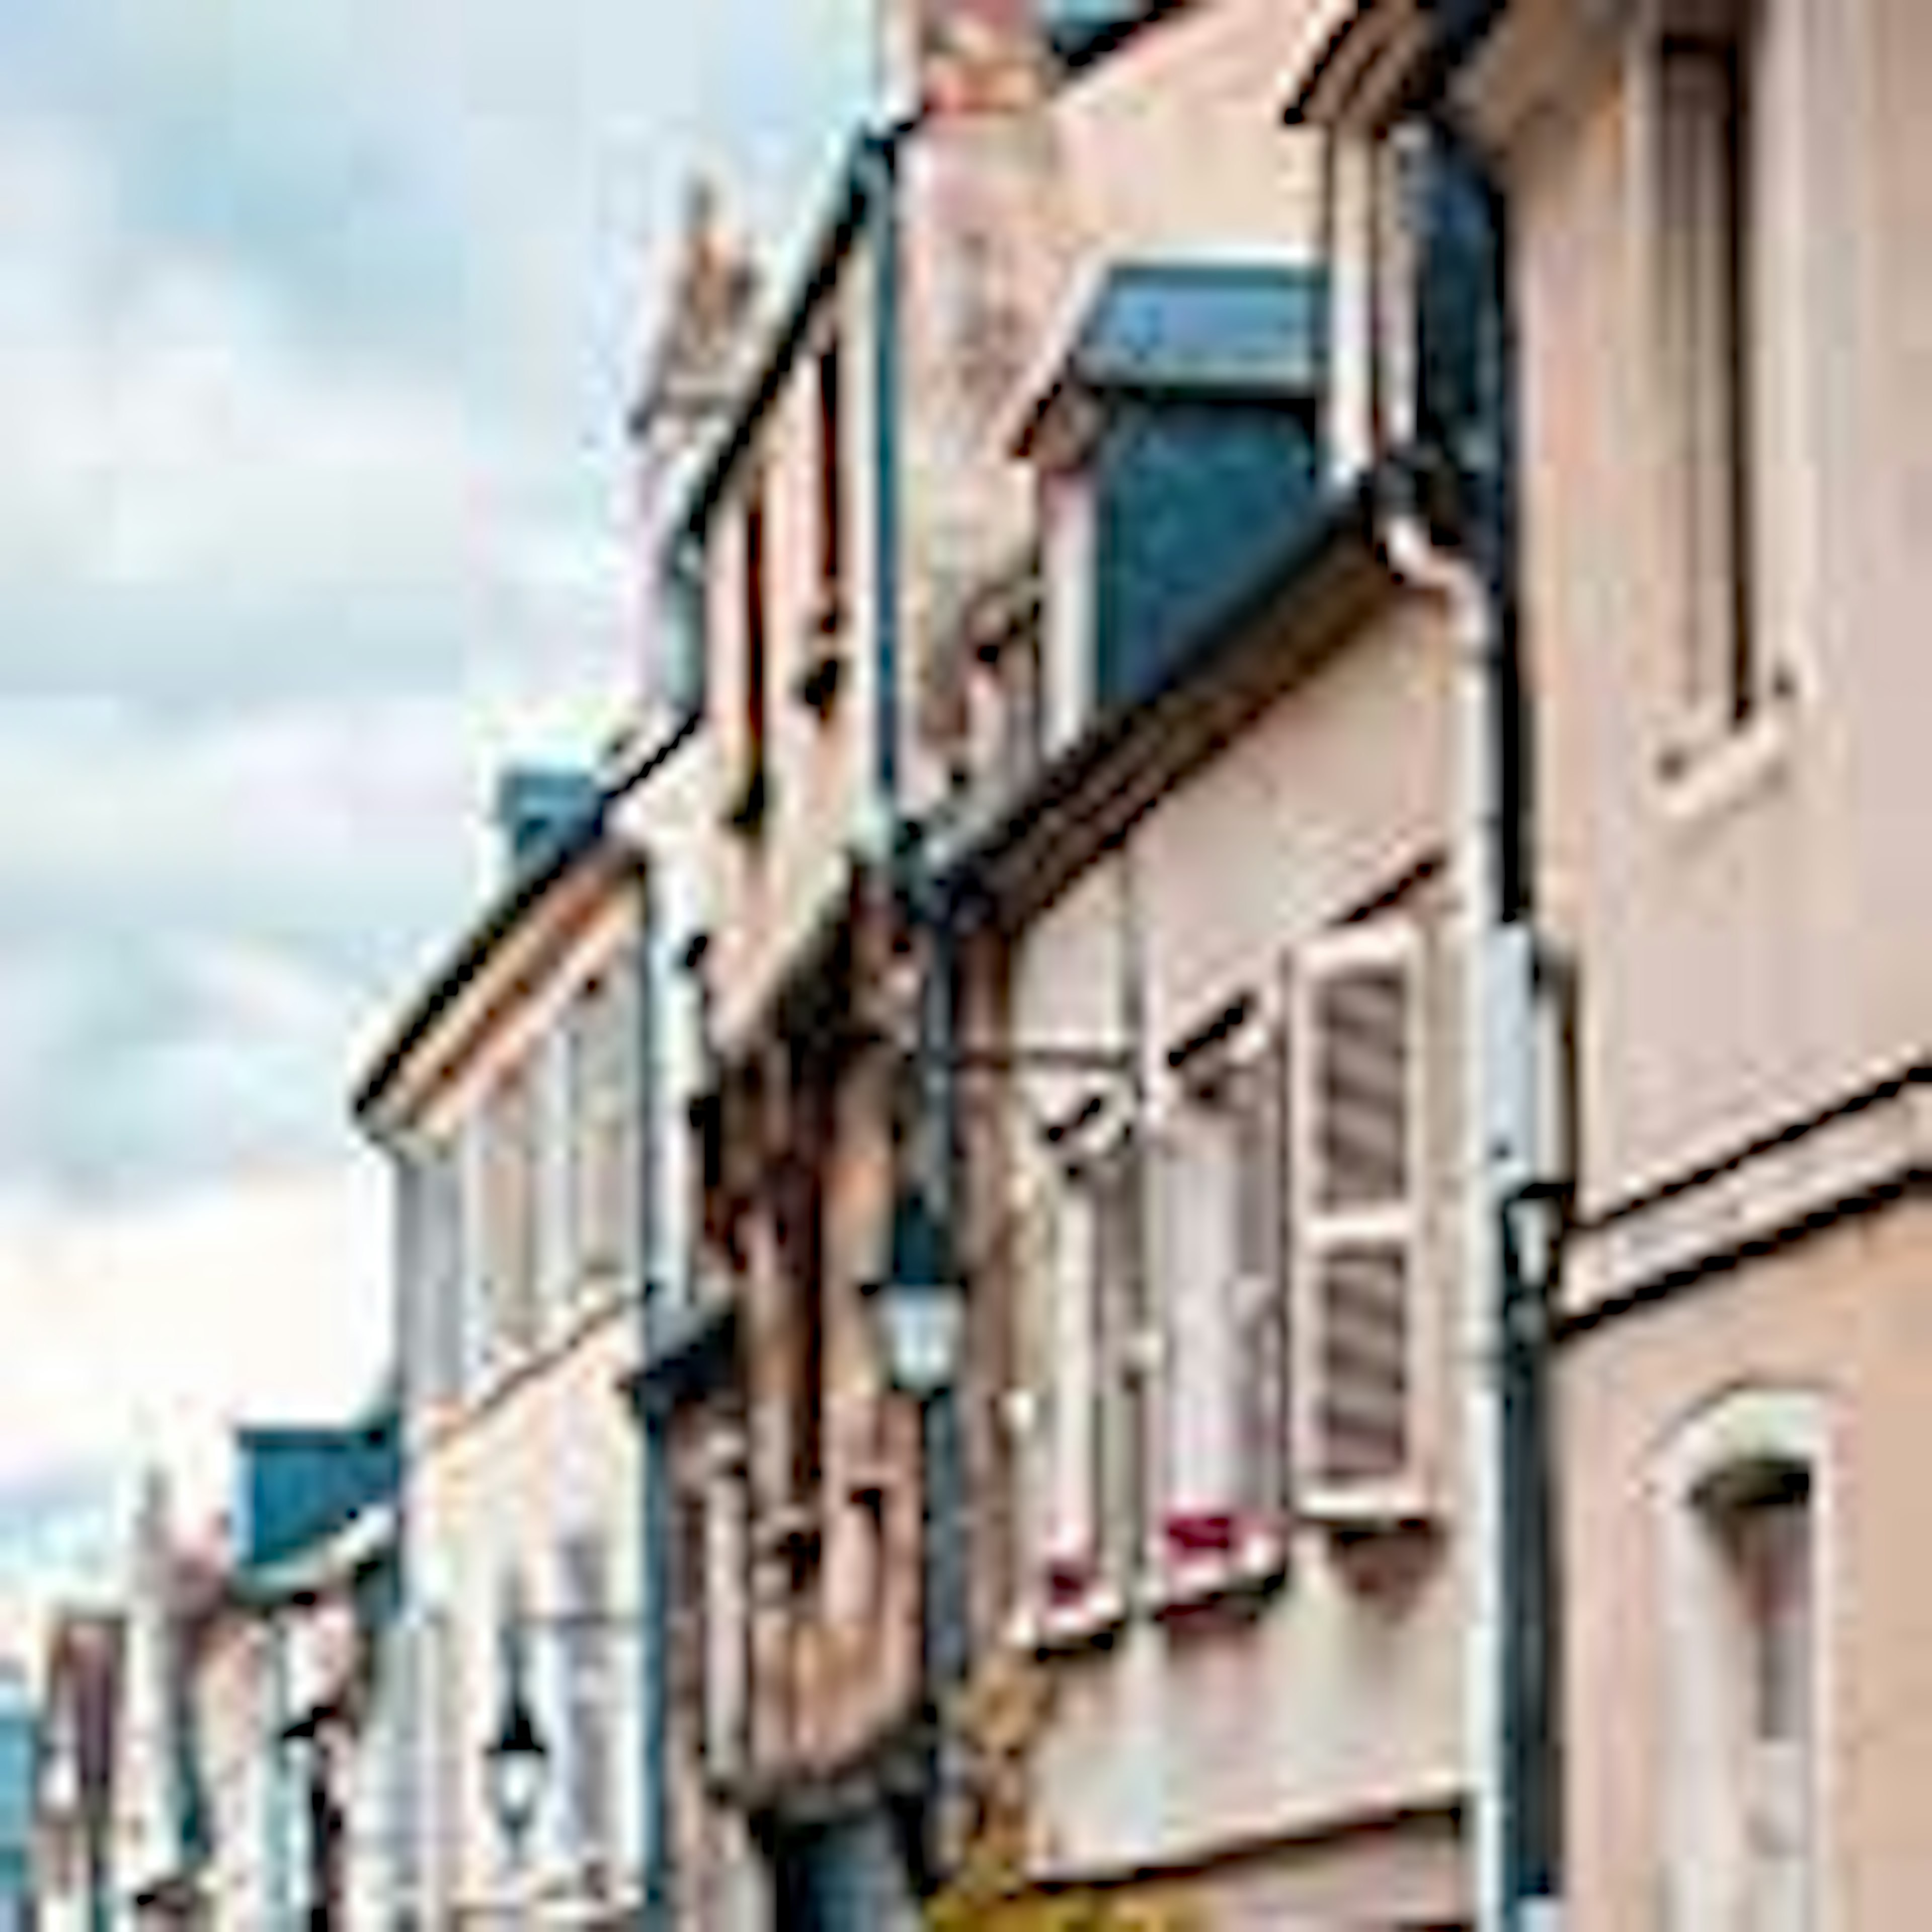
<point x="656" y="1896"/>
<point x="877" y="163"/>
<point x="944" y="1633"/>
<point x="1467" y="562"/>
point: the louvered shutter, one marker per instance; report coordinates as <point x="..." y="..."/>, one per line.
<point x="1123" y="1407"/>
<point x="1025" y="1403"/>
<point x="508" y="1209"/>
<point x="726" y="1605"/>
<point x="556" y="1231"/>
<point x="1194" y="1197"/>
<point x="476" y="1310"/>
<point x="1257" y="1103"/>
<point x="439" y="1733"/>
<point x="1073" y="1394"/>
<point x="588" y="1686"/>
<point x="1360" y="1170"/>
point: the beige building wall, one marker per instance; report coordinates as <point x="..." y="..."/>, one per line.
<point x="1753" y="950"/>
<point x="534" y="1445"/>
<point x="235" y="1719"/>
<point x="1333" y="1706"/>
<point x="772" y="886"/>
<point x="1840" y="1322"/>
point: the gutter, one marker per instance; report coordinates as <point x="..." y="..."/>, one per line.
<point x="878" y="167"/>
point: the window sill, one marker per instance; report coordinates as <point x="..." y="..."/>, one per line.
<point x="1237" y="1566"/>
<point x="1704" y="777"/>
<point x="1091" y="1622"/>
<point x="1388" y="1511"/>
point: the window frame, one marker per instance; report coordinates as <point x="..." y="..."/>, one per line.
<point x="1717" y="746"/>
<point x="1256" y="1499"/>
<point x="1074" y="1593"/>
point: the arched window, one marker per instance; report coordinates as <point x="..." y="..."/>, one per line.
<point x="1744" y="1492"/>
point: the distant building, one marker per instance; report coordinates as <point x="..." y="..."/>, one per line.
<point x="73" y="1883"/>
<point x="17" y="1732"/>
<point x="509" y="1101"/>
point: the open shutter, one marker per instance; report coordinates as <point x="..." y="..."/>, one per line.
<point x="556" y="1240"/>
<point x="1257" y="1112"/>
<point x="1123" y="1409"/>
<point x="1071" y="1417"/>
<point x="1219" y="1211"/>
<point x="1356" y="1381"/>
<point x="1026" y="1405"/>
<point x="588" y="1688"/>
<point x="1072" y="1553"/>
<point x="727" y="1558"/>
<point x="439" y="1732"/>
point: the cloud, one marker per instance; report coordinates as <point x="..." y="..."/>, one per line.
<point x="317" y="323"/>
<point x="158" y="1324"/>
<point x="201" y="503"/>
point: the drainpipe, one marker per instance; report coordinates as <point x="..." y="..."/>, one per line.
<point x="1509" y="1666"/>
<point x="878" y="166"/>
<point x="655" y="1872"/>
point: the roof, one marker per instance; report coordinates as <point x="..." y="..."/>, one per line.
<point x="1080" y="32"/>
<point x="1241" y="329"/>
<point x="525" y="891"/>
<point x="523" y="894"/>
<point x="301" y="1485"/>
<point x="1326" y="569"/>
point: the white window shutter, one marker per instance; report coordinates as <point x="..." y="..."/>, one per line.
<point x="1257" y="1100"/>
<point x="727" y="1558"/>
<point x="439" y="1735"/>
<point x="1218" y="1216"/>
<point x="556" y="1231"/>
<point x="1026" y="1404"/>
<point x="1194" y="1206"/>
<point x="1359" y="1172"/>
<point x="476" y="1318"/>
<point x="1073" y="1386"/>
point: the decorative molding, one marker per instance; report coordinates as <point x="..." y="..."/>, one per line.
<point x="1875" y="1146"/>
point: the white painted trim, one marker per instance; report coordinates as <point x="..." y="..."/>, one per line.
<point x="1314" y="1230"/>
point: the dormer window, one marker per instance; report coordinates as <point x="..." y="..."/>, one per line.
<point x="1177" y="444"/>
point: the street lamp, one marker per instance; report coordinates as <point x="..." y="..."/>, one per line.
<point x="516" y="1763"/>
<point x="920" y="1306"/>
<point x="1536" y="1223"/>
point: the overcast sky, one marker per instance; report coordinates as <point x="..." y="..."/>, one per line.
<point x="317" y="321"/>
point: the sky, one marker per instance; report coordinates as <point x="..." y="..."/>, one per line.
<point x="318" y="320"/>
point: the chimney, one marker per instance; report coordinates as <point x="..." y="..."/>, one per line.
<point x="958" y="56"/>
<point x="701" y="355"/>
<point x="540" y="810"/>
<point x="698" y="369"/>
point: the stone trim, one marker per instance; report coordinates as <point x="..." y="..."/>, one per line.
<point x="1859" y="1152"/>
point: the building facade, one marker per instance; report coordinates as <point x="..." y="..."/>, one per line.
<point x="1724" y="413"/>
<point x="510" y="1101"/>
<point x="79" y="1702"/>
